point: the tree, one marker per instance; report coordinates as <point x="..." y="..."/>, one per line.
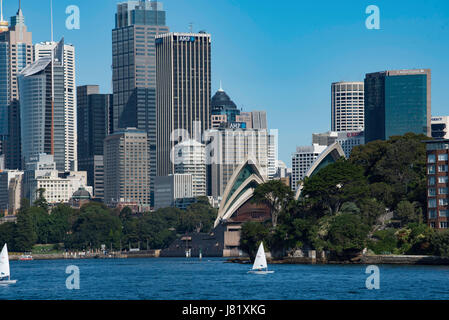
<point x="7" y="235"/>
<point x="125" y="214"/>
<point x="252" y="234"/>
<point x="276" y="195"/>
<point x="347" y="233"/>
<point x="408" y="212"/>
<point x="440" y="243"/>
<point x="61" y="222"/>
<point x="41" y="202"/>
<point x="26" y="235"/>
<point x="94" y="227"/>
<point x="334" y="185"/>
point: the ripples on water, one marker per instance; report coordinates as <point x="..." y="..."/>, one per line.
<point x="180" y="278"/>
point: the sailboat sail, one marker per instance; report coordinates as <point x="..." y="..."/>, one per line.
<point x="261" y="261"/>
<point x="4" y="263"/>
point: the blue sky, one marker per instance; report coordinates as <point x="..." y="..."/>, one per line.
<point x="276" y="56"/>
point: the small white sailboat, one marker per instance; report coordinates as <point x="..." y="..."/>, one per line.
<point x="5" y="274"/>
<point x="260" y="263"/>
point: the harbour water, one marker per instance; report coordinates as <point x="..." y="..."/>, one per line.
<point x="212" y="278"/>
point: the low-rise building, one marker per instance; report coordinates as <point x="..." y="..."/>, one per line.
<point x="58" y="187"/>
<point x="174" y="190"/>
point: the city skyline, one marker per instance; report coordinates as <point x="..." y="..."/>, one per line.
<point x="267" y="68"/>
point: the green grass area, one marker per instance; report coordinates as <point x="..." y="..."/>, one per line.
<point x="46" y="249"/>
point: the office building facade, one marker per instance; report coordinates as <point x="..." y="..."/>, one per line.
<point x="172" y="189"/>
<point x="43" y="123"/>
<point x="348" y="105"/>
<point x="302" y="160"/>
<point x="190" y="158"/>
<point x="437" y="184"/>
<point x="183" y="70"/>
<point x="65" y="54"/>
<point x="10" y="191"/>
<point x="397" y="102"/>
<point x="94" y="119"/>
<point x="137" y="23"/>
<point x="227" y="149"/>
<point x="126" y="169"/>
<point x="59" y="187"/>
<point x="16" y="52"/>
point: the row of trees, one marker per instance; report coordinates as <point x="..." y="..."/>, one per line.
<point x="94" y="224"/>
<point x="375" y="200"/>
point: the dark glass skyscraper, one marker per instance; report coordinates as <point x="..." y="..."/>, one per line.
<point x="397" y="102"/>
<point x="137" y="24"/>
<point x="94" y="113"/>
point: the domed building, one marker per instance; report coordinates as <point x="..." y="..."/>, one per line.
<point x="80" y="197"/>
<point x="223" y="109"/>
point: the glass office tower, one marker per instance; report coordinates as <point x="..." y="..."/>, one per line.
<point x="397" y="102"/>
<point x="137" y="23"/>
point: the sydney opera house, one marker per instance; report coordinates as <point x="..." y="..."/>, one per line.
<point x="237" y="207"/>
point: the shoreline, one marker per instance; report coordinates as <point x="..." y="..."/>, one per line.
<point x="78" y="256"/>
<point x="363" y="260"/>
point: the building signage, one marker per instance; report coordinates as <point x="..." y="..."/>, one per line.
<point x="354" y="134"/>
<point x="237" y="125"/>
<point x="186" y="39"/>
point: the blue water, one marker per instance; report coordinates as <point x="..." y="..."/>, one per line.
<point x="181" y="278"/>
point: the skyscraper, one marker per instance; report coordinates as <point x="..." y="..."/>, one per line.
<point x="347" y="106"/>
<point x="94" y="113"/>
<point x="183" y="89"/>
<point x="126" y="169"/>
<point x="43" y="122"/>
<point x="15" y="54"/>
<point x="134" y="69"/>
<point x="397" y="102"/>
<point x="67" y="54"/>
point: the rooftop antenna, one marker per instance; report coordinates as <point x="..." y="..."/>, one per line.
<point x="191" y="27"/>
<point x="52" y="82"/>
<point x="221" y="87"/>
<point x="1" y="5"/>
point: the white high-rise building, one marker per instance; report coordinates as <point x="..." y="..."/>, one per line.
<point x="41" y="50"/>
<point x="190" y="158"/>
<point x="348" y="106"/>
<point x="302" y="160"/>
<point x="272" y="157"/>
